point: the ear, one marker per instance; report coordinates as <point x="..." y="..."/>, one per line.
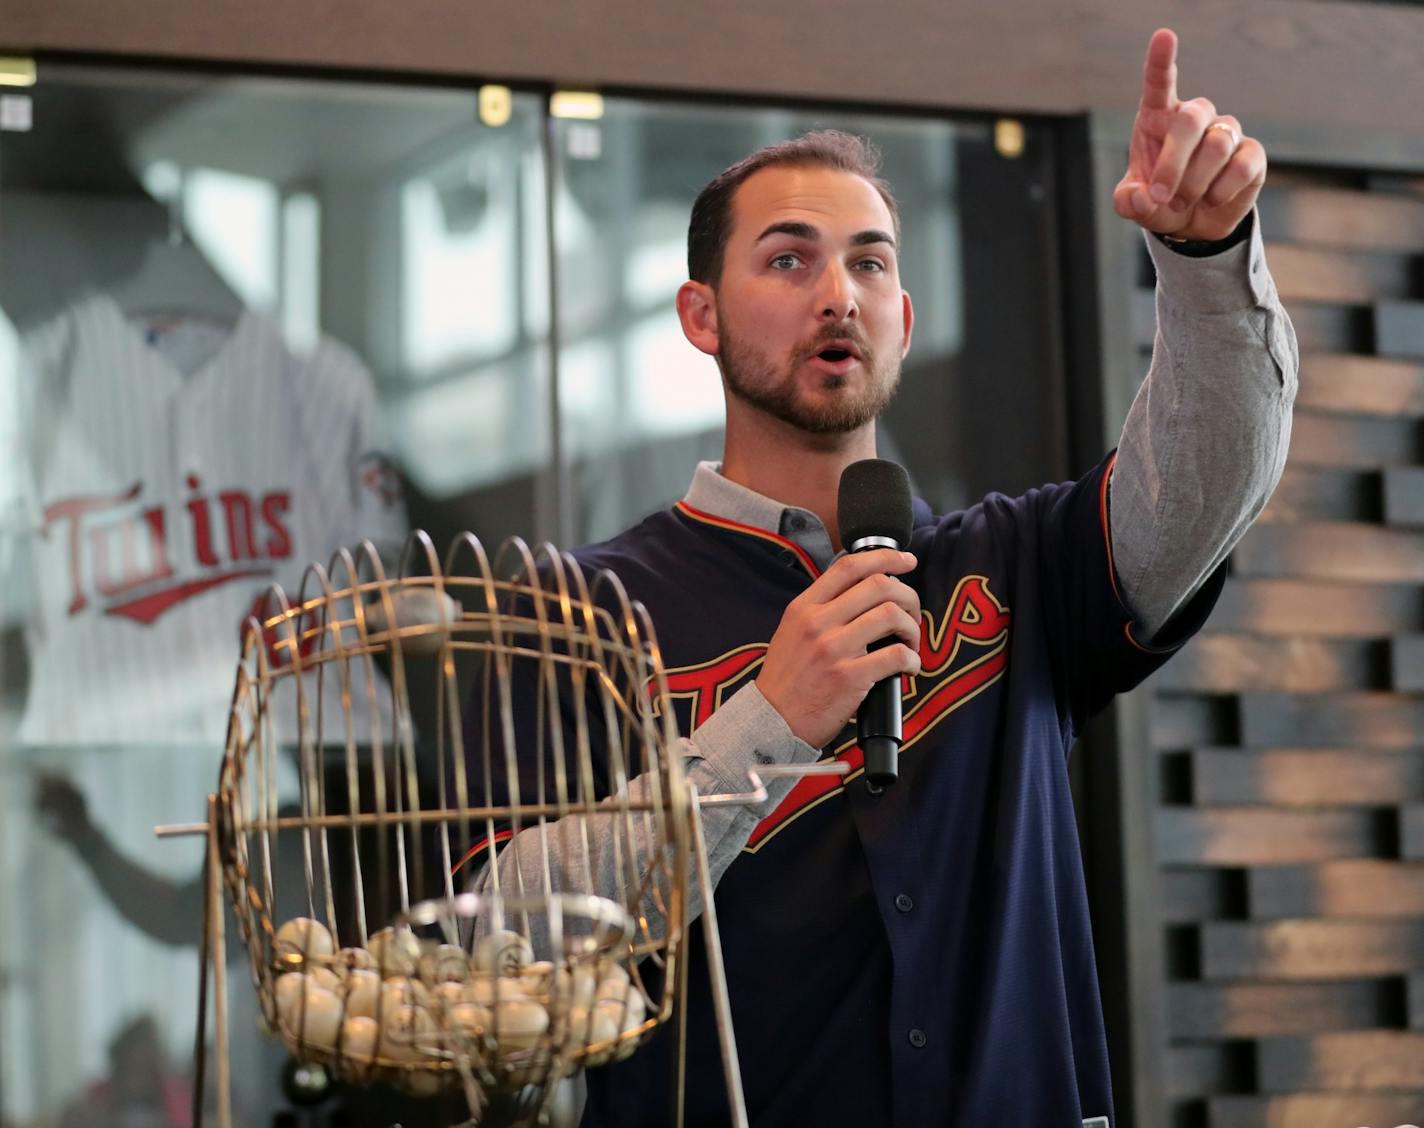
<point x="697" y="310"/>
<point x="909" y="322"/>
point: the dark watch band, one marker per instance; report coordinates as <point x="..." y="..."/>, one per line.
<point x="1205" y="248"/>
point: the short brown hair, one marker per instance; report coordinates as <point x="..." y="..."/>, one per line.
<point x="711" y="223"/>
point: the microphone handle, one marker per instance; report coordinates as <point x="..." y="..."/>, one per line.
<point x="879" y="729"/>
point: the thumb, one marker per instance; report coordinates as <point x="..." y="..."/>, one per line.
<point x="1131" y="199"/>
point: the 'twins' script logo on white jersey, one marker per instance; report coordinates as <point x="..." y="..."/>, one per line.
<point x="124" y="557"/>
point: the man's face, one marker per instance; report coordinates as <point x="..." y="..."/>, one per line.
<point x="811" y="322"/>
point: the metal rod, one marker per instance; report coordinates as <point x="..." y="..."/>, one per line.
<point x="721" y="1004"/>
<point x="218" y="951"/>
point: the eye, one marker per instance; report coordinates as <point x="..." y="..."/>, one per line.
<point x="785" y="261"/>
<point x="872" y="266"/>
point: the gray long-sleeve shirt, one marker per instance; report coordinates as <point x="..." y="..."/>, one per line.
<point x="1201" y="450"/>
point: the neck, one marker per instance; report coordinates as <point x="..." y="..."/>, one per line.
<point x="793" y="467"/>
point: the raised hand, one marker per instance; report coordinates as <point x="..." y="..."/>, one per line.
<point x="1191" y="171"/>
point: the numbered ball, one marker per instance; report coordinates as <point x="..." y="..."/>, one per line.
<point x="302" y="939"/>
<point x="408" y="1034"/>
<point x="519" y="1023"/>
<point x="308" y="1011"/>
<point x="363" y="992"/>
<point x="445" y="964"/>
<point x="503" y="953"/>
<point x="396" y="952"/>
<point x="359" y="1038"/>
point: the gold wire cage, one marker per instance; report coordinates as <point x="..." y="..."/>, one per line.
<point x="376" y="946"/>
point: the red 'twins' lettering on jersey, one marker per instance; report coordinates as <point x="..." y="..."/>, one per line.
<point x="122" y="555"/>
<point x="949" y="677"/>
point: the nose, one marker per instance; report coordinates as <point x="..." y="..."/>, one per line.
<point x="836" y="298"/>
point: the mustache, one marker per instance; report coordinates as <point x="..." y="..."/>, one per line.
<point x="837" y="333"/>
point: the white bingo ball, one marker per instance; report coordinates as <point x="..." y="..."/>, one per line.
<point x="629" y="1012"/>
<point x="325" y="977"/>
<point x="444" y="996"/>
<point x="423" y="615"/>
<point x="348" y="960"/>
<point x="445" y="964"/>
<point x="404" y="992"/>
<point x="503" y="952"/>
<point x="487" y="990"/>
<point x="302" y="938"/>
<point x="607" y="970"/>
<point x="395" y="952"/>
<point x="359" y="1038"/>
<point x="363" y="989"/>
<point x="308" y="1011"/>
<point x="588" y="1027"/>
<point x="470" y="1019"/>
<point x="408" y="1034"/>
<point x="518" y="1023"/>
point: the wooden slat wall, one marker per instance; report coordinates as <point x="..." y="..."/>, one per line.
<point x="1289" y="737"/>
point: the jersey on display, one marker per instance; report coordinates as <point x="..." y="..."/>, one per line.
<point x="173" y="471"/>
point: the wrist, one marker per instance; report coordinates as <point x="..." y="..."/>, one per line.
<point x="1205" y="248"/>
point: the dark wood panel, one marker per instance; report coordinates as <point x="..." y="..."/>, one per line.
<point x="1358" y="442"/>
<point x="1333" y="720"/>
<point x="1414" y="999"/>
<point x="1331" y="550"/>
<point x="1399" y="328"/>
<point x="1314" y="1110"/>
<point x="1190" y="720"/>
<point x="1297" y="778"/>
<point x="1319" y="610"/>
<point x="1191" y="894"/>
<point x="1367" y="385"/>
<point x="1411" y="832"/>
<point x="1340" y="217"/>
<point x="1406" y="658"/>
<point x="1307" y="274"/>
<point x="1311" y="949"/>
<point x="1226" y="663"/>
<point x="1369" y="888"/>
<point x="1403" y="489"/>
<point x="1259" y="836"/>
<point x="1202" y="1011"/>
<point x="1358" y="1059"/>
<point x="1312" y="493"/>
<point x="1196" y="1071"/>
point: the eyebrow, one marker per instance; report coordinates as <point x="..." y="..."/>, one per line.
<point x="812" y="234"/>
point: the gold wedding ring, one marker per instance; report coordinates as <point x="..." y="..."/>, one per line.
<point x="1231" y="131"/>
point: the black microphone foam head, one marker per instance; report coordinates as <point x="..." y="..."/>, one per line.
<point x="874" y="501"/>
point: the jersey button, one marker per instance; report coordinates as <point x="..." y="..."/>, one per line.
<point x="904" y="902"/>
<point x="917" y="1038"/>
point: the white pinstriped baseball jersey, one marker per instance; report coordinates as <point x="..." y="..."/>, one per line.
<point x="162" y="503"/>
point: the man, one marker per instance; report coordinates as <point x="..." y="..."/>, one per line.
<point x="922" y="954"/>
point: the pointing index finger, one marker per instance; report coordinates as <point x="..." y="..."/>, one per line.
<point x="1159" y="74"/>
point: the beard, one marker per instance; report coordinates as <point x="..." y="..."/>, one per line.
<point x="755" y="379"/>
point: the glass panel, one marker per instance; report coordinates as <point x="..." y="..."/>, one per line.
<point x="244" y="322"/>
<point x="638" y="404"/>
<point x="235" y="315"/>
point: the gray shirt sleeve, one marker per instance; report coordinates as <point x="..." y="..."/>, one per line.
<point x="1205" y="441"/>
<point x="746" y="732"/>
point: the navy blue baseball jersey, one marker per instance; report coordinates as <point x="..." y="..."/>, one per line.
<point x="921" y="955"/>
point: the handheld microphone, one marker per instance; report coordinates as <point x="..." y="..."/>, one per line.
<point x="874" y="511"/>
